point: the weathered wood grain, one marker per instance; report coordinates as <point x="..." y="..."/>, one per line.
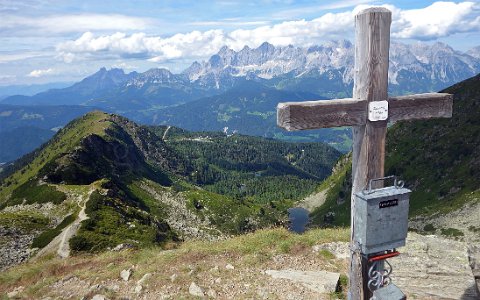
<point x="372" y="42"/>
<point x="321" y="114"/>
<point x="353" y="112"/>
<point x="421" y="106"/>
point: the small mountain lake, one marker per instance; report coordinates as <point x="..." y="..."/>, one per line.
<point x="298" y="219"/>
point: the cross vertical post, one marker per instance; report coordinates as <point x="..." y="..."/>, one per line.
<point x="368" y="112"/>
<point x="372" y="43"/>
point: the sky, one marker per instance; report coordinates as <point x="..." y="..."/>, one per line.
<point x="44" y="41"/>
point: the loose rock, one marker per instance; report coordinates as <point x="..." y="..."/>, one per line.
<point x="195" y="290"/>
<point x="125" y="274"/>
<point x="122" y="246"/>
<point x="229" y="267"/>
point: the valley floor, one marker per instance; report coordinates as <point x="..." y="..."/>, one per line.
<point x="267" y="264"/>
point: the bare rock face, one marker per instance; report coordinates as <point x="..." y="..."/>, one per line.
<point x="431" y="267"/>
<point x="319" y="281"/>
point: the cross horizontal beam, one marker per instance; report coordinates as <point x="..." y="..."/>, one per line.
<point x="294" y="116"/>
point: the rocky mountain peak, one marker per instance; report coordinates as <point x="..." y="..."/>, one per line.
<point x="474" y="52"/>
<point x="438" y="62"/>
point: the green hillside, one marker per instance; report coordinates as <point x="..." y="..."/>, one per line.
<point x="438" y="159"/>
<point x="123" y="183"/>
<point x="249" y="108"/>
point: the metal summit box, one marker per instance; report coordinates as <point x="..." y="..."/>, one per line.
<point x="381" y="217"/>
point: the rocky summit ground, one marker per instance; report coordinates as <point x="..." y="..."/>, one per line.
<point x="268" y="264"/>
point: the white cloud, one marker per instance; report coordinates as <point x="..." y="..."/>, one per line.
<point x="40" y="72"/>
<point x="59" y="24"/>
<point x="6" y="57"/>
<point x="437" y="20"/>
<point x="193" y="44"/>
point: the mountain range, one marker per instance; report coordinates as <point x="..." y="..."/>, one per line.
<point x="240" y="89"/>
<point x="326" y="70"/>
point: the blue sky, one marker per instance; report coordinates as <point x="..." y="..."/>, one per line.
<point x="53" y="40"/>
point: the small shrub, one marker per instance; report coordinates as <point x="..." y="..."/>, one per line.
<point x="452" y="232"/>
<point x="429" y="227"/>
<point x="474" y="229"/>
<point x="80" y="243"/>
<point x="34" y="193"/>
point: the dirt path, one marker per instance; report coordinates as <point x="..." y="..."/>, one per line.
<point x="64" y="248"/>
<point x="165" y="133"/>
<point x="60" y="243"/>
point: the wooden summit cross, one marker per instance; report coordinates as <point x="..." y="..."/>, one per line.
<point x="368" y="112"/>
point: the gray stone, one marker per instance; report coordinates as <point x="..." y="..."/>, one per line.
<point x="318" y="281"/>
<point x="229" y="267"/>
<point x="195" y="290"/>
<point x="431" y="267"/>
<point x="125" y="274"/>
<point x="138" y="289"/>
<point x="99" y="297"/>
<point x="122" y="246"/>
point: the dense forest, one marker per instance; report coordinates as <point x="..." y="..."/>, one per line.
<point x="251" y="167"/>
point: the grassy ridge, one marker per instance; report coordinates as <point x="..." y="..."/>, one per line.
<point x="63" y="142"/>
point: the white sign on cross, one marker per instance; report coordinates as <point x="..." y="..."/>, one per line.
<point x="368" y="112"/>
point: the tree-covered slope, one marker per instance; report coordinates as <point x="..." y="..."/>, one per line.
<point x="124" y="183"/>
<point x="251" y="167"/>
<point x="248" y="108"/>
<point x="438" y="159"/>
